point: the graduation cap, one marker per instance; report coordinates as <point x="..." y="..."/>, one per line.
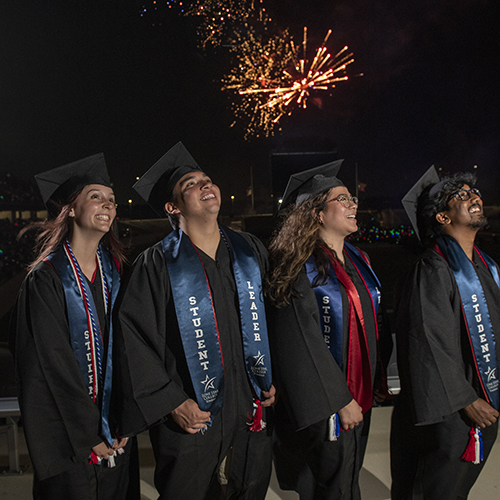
<point x="307" y="184"/>
<point x="156" y="186"/>
<point x="57" y="185"/>
<point x="412" y="200"/>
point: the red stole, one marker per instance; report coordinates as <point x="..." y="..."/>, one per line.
<point x="359" y="375"/>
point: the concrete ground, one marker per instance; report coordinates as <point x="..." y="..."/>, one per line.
<point x="375" y="476"/>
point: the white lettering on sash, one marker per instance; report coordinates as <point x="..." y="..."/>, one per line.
<point x="253" y="309"/>
<point x="202" y="354"/>
<point x="485" y="347"/>
<point x="88" y="355"/>
<point x="326" y="319"/>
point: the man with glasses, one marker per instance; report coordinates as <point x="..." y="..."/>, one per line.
<point x="448" y="315"/>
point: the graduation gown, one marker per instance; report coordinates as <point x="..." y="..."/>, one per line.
<point x="437" y="380"/>
<point x="60" y="420"/>
<point x="52" y="393"/>
<point x="313" y="387"/>
<point x="155" y="366"/>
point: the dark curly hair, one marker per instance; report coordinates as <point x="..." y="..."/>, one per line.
<point x="430" y="206"/>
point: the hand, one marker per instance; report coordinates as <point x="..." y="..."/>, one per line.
<point x="102" y="450"/>
<point x="351" y="415"/>
<point x="189" y="417"/>
<point x="121" y="443"/>
<point x="481" y="413"/>
<point x="270" y="397"/>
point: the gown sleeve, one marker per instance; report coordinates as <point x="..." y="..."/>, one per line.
<point x="60" y="420"/>
<point x="429" y="323"/>
<point x="152" y="388"/>
<point x="313" y="384"/>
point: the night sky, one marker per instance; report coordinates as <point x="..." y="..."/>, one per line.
<point x="79" y="77"/>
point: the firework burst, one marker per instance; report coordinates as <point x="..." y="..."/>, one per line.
<point x="261" y="65"/>
<point x="271" y="83"/>
<point x="218" y="18"/>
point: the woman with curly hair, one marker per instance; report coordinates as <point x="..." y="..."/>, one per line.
<point x="324" y="344"/>
<point x="62" y="339"/>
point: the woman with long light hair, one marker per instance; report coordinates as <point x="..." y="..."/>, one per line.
<point x="324" y="344"/>
<point x="62" y="339"/>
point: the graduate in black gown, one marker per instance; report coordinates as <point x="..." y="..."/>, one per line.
<point x="448" y="317"/>
<point x="324" y="339"/>
<point x="62" y="339"/>
<point x="194" y="343"/>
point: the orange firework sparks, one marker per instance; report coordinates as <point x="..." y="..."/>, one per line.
<point x="261" y="64"/>
<point x="279" y="95"/>
<point x="218" y="18"/>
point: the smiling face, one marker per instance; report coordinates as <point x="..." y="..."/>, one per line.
<point x="195" y="196"/>
<point x="94" y="209"/>
<point x="337" y="220"/>
<point x="463" y="214"/>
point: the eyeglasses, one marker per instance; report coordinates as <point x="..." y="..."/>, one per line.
<point x="465" y="194"/>
<point x="347" y="201"/>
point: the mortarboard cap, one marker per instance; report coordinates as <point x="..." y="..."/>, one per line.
<point x="307" y="184"/>
<point x="411" y="201"/>
<point x="156" y="186"/>
<point x="57" y="185"/>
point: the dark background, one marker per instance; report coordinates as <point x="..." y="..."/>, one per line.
<point x="82" y="76"/>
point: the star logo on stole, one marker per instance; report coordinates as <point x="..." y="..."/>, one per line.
<point x="209" y="383"/>
<point x="259" y="359"/>
<point x="491" y="373"/>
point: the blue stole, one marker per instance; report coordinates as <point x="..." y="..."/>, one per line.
<point x="197" y="320"/>
<point x="476" y="313"/>
<point x="84" y="328"/>
<point x="329" y="298"/>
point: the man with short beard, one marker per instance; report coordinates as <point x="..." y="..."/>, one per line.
<point x="445" y="421"/>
